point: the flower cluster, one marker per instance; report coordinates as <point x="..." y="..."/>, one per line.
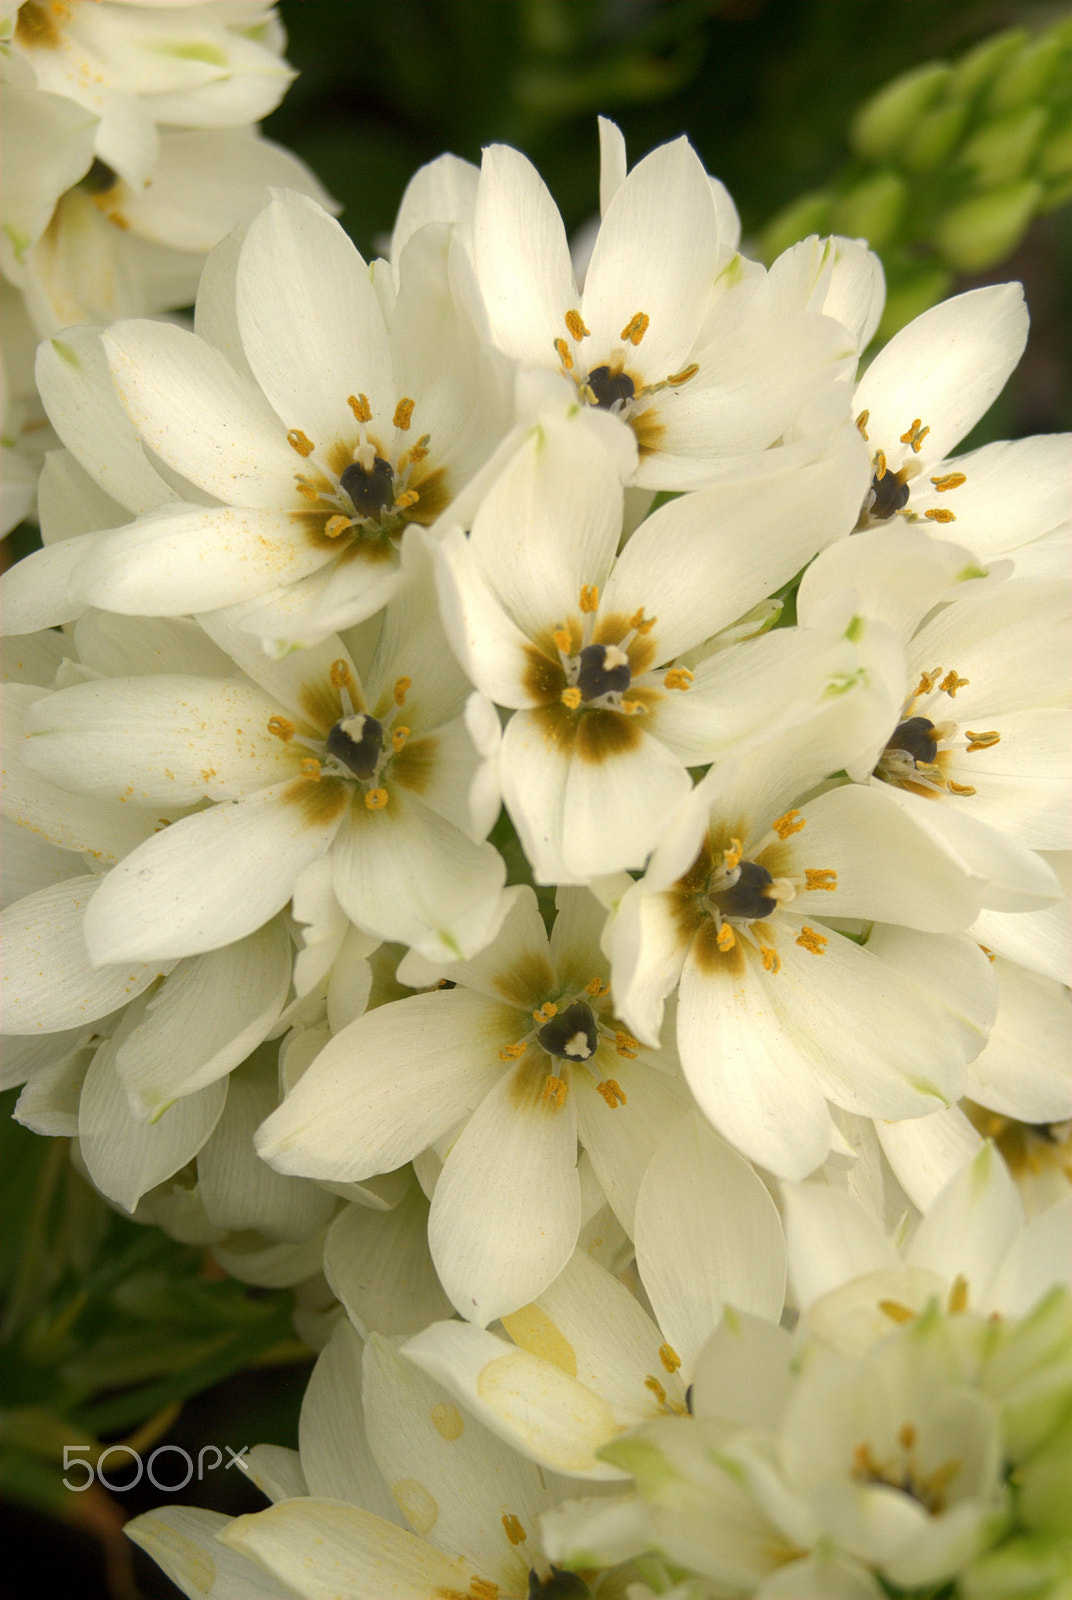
<point x="514" y="764"/>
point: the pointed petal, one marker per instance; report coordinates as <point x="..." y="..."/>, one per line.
<point x="522" y="258"/>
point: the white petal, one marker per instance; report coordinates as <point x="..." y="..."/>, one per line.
<point x="830" y="1238"/>
<point x="925" y="1152"/>
<point x="335" y="1452"/>
<point x="37" y="591"/>
<point x="182" y="1541"/>
<point x="377" y="1263"/>
<point x="522" y="258"/>
<point x="444" y="190"/>
<point x="1022" y="1071"/>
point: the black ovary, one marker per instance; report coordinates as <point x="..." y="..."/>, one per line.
<point x="610" y="387"/>
<point x="890" y="494"/>
<point x="745" y="898"/>
<point x="561" y="1031"/>
<point x="561" y="1585"/>
<point x="359" y="755"/>
<point x="913" y="736"/>
<point x="595" y="679"/>
<point x="369" y="491"/>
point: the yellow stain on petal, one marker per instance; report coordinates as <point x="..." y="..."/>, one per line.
<point x="35" y="27"/>
<point x="416" y="1505"/>
<point x="531" y="1329"/>
<point x="447" y="1421"/>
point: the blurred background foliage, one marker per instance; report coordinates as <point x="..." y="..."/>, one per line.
<point x="941" y="129"/>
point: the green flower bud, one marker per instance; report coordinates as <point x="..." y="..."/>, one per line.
<point x="1000" y="151"/>
<point x="980" y="232"/>
<point x="1022" y="1569"/>
<point x="872" y="210"/>
<point x="930" y="141"/>
<point x="883" y="122"/>
<point x="809" y="214"/>
<point x="1055" y="159"/>
<point x="1029" y="74"/>
<point x="1045" y="1485"/>
<point x="981" y="65"/>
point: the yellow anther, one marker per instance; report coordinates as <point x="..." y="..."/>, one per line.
<point x="784" y="826"/>
<point x="310" y="768"/>
<point x="820" y="878"/>
<point x="556" y="1089"/>
<point x="861" y="422"/>
<point x="375" y="799"/>
<point x="949" y="480"/>
<point x="940" y="514"/>
<point x="669" y="1357"/>
<point x="770" y="958"/>
<point x="597" y="988"/>
<point x="513" y="1052"/>
<point x="398" y="738"/>
<point x="589" y="600"/>
<point x="625" y="1045"/>
<point x="731" y="856"/>
<point x="880" y="464"/>
<point x="564" y="354"/>
<point x="915" y="435"/>
<point x="282" y="727"/>
<point x="896" y="1311"/>
<point x="958" y="1294"/>
<point x="298" y="441"/>
<point x="636" y="327"/>
<point x="725" y="938"/>
<point x="546" y="1012"/>
<point x="514" y="1531"/>
<point x="571" y="698"/>
<point x="416" y="452"/>
<point x="307" y="492"/>
<point x="360" y="407"/>
<point x="906" y="1436"/>
<point x="402" y="688"/>
<point x="407" y="498"/>
<point x="336" y="525"/>
<point x="341" y="675"/>
<point x="960" y="788"/>
<point x="612" y="1093"/>
<point x="632" y="708"/>
<point x="927" y="681"/>
<point x="951" y="683"/>
<point x="677" y="378"/>
<point x="575" y="324"/>
<point x="811" y="941"/>
<point x="678" y="678"/>
<point x="981" y="741"/>
<point x="403" y="414"/>
<point x="988" y="953"/>
<point x="562" y="639"/>
<point x="656" y="1388"/>
<point x="641" y="624"/>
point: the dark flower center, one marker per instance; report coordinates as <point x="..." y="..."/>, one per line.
<point x="610" y="387"/>
<point x="889" y="495"/>
<point x="572" y="1034"/>
<point x="357" y="742"/>
<point x="745" y="898"/>
<point x="604" y="669"/>
<point x="561" y="1585"/>
<point x="371" y="492"/>
<point x="914" y="738"/>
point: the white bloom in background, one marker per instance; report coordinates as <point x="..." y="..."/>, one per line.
<point x="508" y="1070"/>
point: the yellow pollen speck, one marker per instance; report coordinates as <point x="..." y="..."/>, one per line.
<point x="981" y="741"/>
<point x="861" y="422"/>
<point x="820" y="878"/>
<point x="784" y="826"/>
<point x="669" y="1357"/>
<point x="407" y="498"/>
<point x="636" y="327"/>
<point x="880" y="464"/>
<point x="676" y="379"/>
<point x="341" y="675"/>
<point x="896" y="1311"/>
<point x="447" y="1421"/>
<point x="597" y="988"/>
<point x="640" y="623"/>
<point x="282" y="727"/>
<point x="678" y="678"/>
<point x="513" y="1052"/>
<point x="571" y="698"/>
<point x="514" y="1531"/>
<point x="951" y="683"/>
<point x="376" y="799"/>
<point x="656" y="1388"/>
<point x="310" y="768"/>
<point x="725" y="938"/>
<point x="336" y="525"/>
<point x="960" y="788"/>
<point x="611" y="1092"/>
<point x="402" y="687"/>
<point x="562" y="350"/>
<point x="546" y="1012"/>
<point x="625" y="1045"/>
<point x="398" y="738"/>
<point x="811" y="941"/>
<point x="403" y="414"/>
<point x="298" y="441"/>
<point x="949" y="480"/>
<point x="770" y="958"/>
<point x="556" y="1089"/>
<point x="575" y="324"/>
<point x="915" y="435"/>
<point x="360" y="407"/>
<point x="589" y="600"/>
<point x="307" y="492"/>
<point x="940" y="514"/>
<point x="731" y="856"/>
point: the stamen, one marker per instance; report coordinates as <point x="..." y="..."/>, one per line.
<point x="636" y="327"/>
<point x="814" y="943"/>
<point x="571" y="698"/>
<point x="676" y="379"/>
<point x="678" y="678"/>
<point x="415" y="453"/>
<point x="310" y="768"/>
<point x="612" y="1094"/>
<point x="575" y="324"/>
<point x="958" y="1294"/>
<point x="403" y="414"/>
<point x="546" y="1012"/>
<point x="656" y="1388"/>
<point x="513" y="1052"/>
<point x="959" y="788"/>
<point x="514" y="1531"/>
<point x="915" y="436"/>
<point x="298" y="441"/>
<point x="565" y="355"/>
<point x="880" y="465"/>
<point x="926" y="683"/>
<point x="336" y="525"/>
<point x="951" y="683"/>
<point x="282" y="727"/>
<point x="669" y="1357"/>
<point x="562" y="639"/>
<point x="398" y="739"/>
<point x="641" y="624"/>
<point x="731" y="857"/>
<point x="981" y="741"/>
<point x="597" y="988"/>
<point x="725" y="938"/>
<point x="556" y="1089"/>
<point x="896" y="1311"/>
<point x="950" y="480"/>
<point x="407" y="498"/>
<point x="589" y="597"/>
<point x="770" y="958"/>
<point x="820" y="878"/>
<point x="341" y="676"/>
<point x="625" y="1045"/>
<point x="376" y="799"/>
<point x="862" y="421"/>
<point x="784" y="826"/>
<point x="402" y="687"/>
<point x="939" y="514"/>
<point x="307" y="491"/>
<point x="360" y="407"/>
